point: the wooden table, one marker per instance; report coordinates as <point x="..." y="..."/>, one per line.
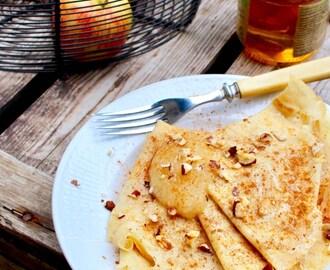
<point x="40" y="114"/>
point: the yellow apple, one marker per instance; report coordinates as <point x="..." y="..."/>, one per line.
<point x="94" y="29"/>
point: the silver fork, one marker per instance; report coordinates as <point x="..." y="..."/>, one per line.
<point x="143" y="119"/>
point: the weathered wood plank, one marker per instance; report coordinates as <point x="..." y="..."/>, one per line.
<point x="5" y="264"/>
<point x="27" y="234"/>
<point x="64" y="107"/>
<point x="11" y="83"/>
<point x="25" y="202"/>
<point x="17" y="254"/>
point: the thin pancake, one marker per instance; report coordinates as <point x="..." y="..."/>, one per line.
<point x="232" y="249"/>
<point x="144" y="229"/>
<point x="272" y="199"/>
<point x="263" y="172"/>
<point x="180" y="171"/>
<point x="304" y="106"/>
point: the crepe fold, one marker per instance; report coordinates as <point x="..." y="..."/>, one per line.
<point x="251" y="195"/>
<point x="149" y="235"/>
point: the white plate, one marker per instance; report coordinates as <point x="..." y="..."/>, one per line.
<point x="100" y="166"/>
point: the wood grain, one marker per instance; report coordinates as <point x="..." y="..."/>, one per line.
<point x="25" y="202"/>
<point x="24" y="254"/>
<point x="10" y="84"/>
<point x="5" y="264"/>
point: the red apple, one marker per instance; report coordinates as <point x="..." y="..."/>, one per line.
<point x="94" y="29"/>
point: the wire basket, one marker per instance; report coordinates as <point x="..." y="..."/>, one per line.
<point x="59" y="35"/>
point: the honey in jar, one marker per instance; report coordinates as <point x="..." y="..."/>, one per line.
<point x="282" y="32"/>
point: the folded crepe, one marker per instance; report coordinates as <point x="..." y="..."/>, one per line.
<point x="149" y="235"/>
<point x="248" y="194"/>
<point x="231" y="247"/>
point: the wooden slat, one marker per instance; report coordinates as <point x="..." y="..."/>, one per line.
<point x="5" y="264"/>
<point x="27" y="235"/>
<point x="25" y="202"/>
<point x="14" y="254"/>
<point x="11" y="83"/>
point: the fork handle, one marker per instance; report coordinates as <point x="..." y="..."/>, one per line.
<point x="278" y="79"/>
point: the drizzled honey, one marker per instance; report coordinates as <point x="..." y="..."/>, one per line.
<point x="281" y="32"/>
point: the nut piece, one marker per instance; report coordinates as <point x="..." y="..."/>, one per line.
<point x="246" y="159"/>
<point x="232" y="151"/>
<point x="235" y="191"/>
<point x="204" y="248"/>
<point x="121" y="215"/>
<point x="199" y="167"/>
<point x="153" y="218"/>
<point x="163" y="242"/>
<point x="191" y="237"/>
<point x="110" y="205"/>
<point x="265" y="138"/>
<point x="237" y="165"/>
<point x="317" y="147"/>
<point x="215" y="142"/>
<point x="171" y="211"/>
<point x="240" y="208"/>
<point x="134" y="194"/>
<point x="226" y="175"/>
<point x="214" y="165"/>
<point x="75" y="182"/>
<point x="211" y="140"/>
<point x="179" y="139"/>
<point x="186" y="152"/>
<point x="192" y="234"/>
<point x="185" y="168"/>
<point x="166" y="165"/>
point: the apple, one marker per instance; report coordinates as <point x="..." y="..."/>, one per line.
<point x="94" y="29"/>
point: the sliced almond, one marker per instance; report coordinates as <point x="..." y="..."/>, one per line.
<point x="245" y="158"/>
<point x="192" y="234"/>
<point x="204" y="248"/>
<point x="185" y="168"/>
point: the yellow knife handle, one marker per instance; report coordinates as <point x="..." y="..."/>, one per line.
<point x="278" y="79"/>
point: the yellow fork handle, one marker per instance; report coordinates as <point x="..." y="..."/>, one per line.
<point x="278" y="79"/>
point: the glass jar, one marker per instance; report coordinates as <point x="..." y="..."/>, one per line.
<point x="282" y="32"/>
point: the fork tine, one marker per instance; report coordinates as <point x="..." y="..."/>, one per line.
<point x="128" y="131"/>
<point x="128" y="111"/>
<point x="122" y="116"/>
<point x="131" y="123"/>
